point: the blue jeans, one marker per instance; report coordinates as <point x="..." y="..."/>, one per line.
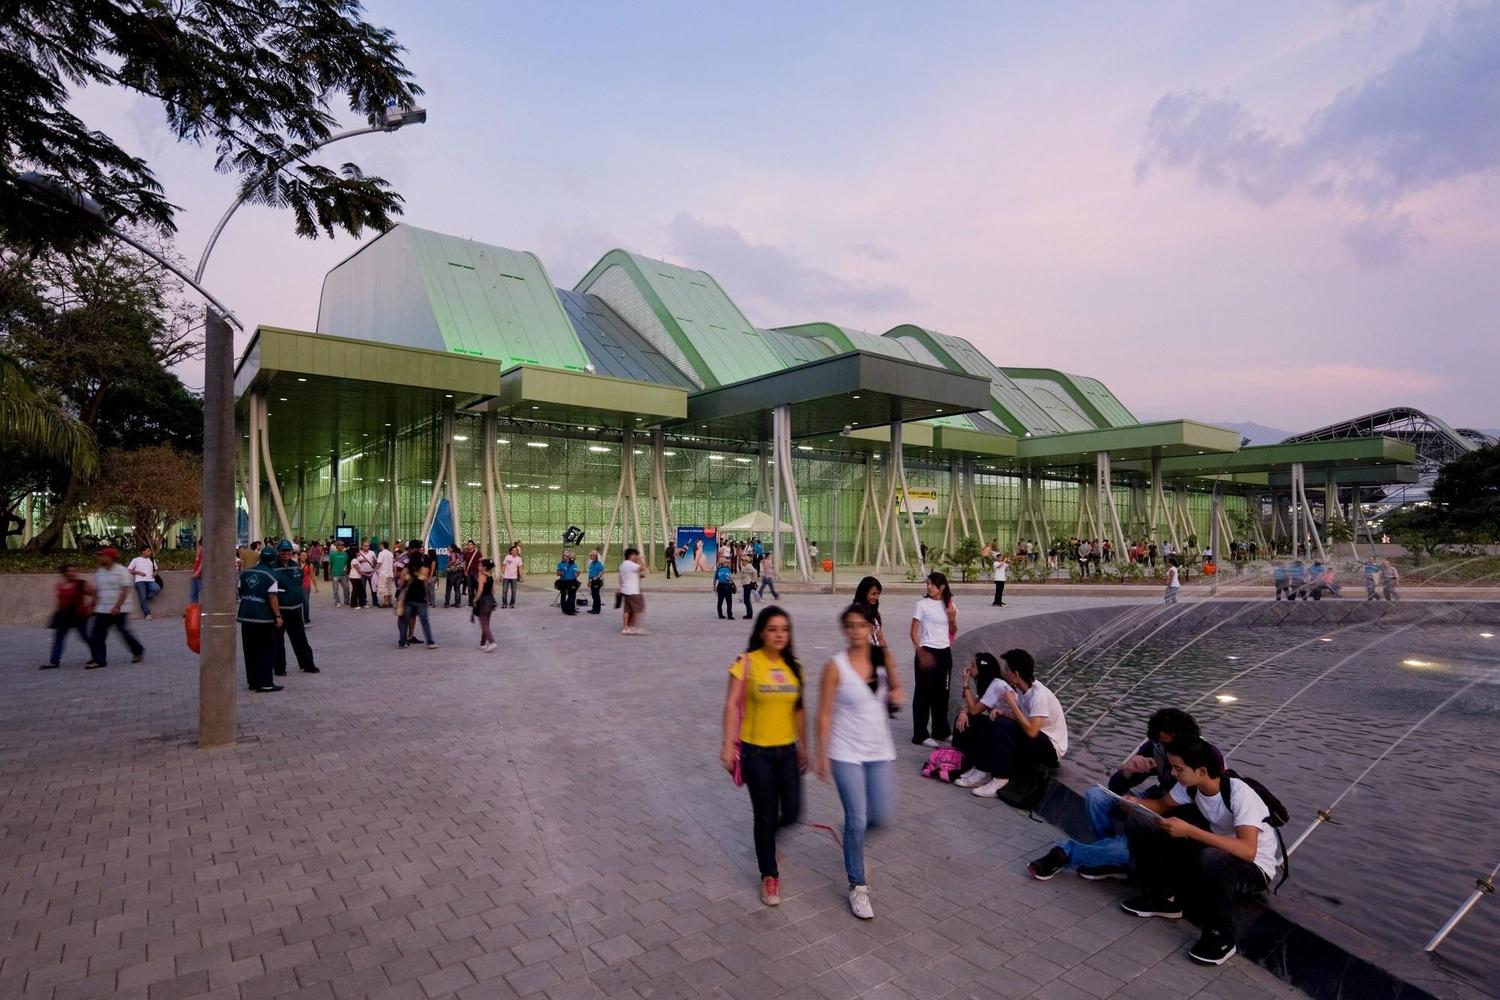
<point x="146" y="590"/>
<point x="765" y="582"/>
<point x="195" y="590"/>
<point x="865" y="790"/>
<point x="407" y="624"/>
<point x="1111" y="849"/>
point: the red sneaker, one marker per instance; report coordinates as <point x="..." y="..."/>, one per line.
<point x="770" y="890"/>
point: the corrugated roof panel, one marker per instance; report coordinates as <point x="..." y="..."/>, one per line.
<point x="613" y="347"/>
<point x="1006" y="392"/>
<point x="717" y="342"/>
<point x="418" y="288"/>
<point x="1106" y="402"/>
<point x="1058" y="404"/>
<point x="797" y="350"/>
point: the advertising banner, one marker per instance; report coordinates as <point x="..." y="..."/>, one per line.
<point x="697" y="549"/>
<point x="921" y="504"/>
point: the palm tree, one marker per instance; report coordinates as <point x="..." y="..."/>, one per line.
<point x="31" y="422"/>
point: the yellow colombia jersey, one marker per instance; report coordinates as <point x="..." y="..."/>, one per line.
<point x="770" y="701"/>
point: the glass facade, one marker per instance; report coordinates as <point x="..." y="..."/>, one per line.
<point x="555" y="477"/>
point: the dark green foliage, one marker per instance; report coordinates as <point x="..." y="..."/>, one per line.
<point x="253" y="79"/>
<point x="1467" y="491"/>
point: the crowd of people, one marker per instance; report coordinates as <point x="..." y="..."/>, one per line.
<point x="1198" y="840"/>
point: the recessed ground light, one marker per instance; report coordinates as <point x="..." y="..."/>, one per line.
<point x="1486" y="635"/>
<point x="1225" y="699"/>
<point x="1231" y="657"/>
<point x="1325" y="639"/>
<point x="536" y="444"/>
<point x="456" y="437"/>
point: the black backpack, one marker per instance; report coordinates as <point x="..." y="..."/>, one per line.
<point x="1028" y="783"/>
<point x="1277" y="816"/>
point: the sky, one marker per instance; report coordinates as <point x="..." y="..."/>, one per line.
<point x="1286" y="212"/>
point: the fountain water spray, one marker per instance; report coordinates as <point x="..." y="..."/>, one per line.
<point x="1144" y="677"/>
<point x="1326" y="815"/>
<point x="1482" y="887"/>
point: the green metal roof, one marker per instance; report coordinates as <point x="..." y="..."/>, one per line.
<point x="1270" y="458"/>
<point x="418" y="288"/>
<point x="707" y="329"/>
<point x="1166" y="438"/>
<point x="1015" y="410"/>
<point x="1090" y="396"/>
<point x="795" y="350"/>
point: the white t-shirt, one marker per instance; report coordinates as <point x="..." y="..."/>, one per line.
<point x="1172" y="582"/>
<point x="1040" y="703"/>
<point x="510" y="567"/>
<point x="1249" y="810"/>
<point x="107" y="586"/>
<point x="630" y="577"/>
<point x="385" y="563"/>
<point x="1001" y="569"/>
<point x="934" y="623"/>
<point x="994" y="694"/>
<point x="142" y="569"/>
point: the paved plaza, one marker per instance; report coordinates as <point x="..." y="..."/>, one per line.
<point x="548" y="820"/>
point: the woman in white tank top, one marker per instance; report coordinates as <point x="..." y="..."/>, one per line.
<point x="855" y="702"/>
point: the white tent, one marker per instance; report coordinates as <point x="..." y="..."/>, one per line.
<point x="757" y="522"/>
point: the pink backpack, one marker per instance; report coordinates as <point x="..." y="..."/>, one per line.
<point x="944" y="764"/>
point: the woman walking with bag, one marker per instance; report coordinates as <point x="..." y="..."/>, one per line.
<point x="855" y="702"/>
<point x="484" y="604"/>
<point x="765" y="736"/>
<point x="934" y="622"/>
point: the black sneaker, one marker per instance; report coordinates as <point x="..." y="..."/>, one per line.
<point x="311" y="670"/>
<point x="268" y="688"/>
<point x="138" y="657"/>
<point x="1049" y="864"/>
<point x="48" y="666"/>
<point x="1098" y="873"/>
<point x="1215" y="947"/>
<point x="1153" y="906"/>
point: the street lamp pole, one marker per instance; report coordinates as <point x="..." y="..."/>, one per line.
<point x="218" y="659"/>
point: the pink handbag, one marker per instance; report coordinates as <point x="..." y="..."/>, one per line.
<point x="739" y="774"/>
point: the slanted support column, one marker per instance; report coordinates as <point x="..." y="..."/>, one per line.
<point x="275" y="487"/>
<point x="781" y="444"/>
<point x="445" y="452"/>
<point x="1299" y="501"/>
<point x="861" y="541"/>
<point x="661" y="513"/>
<point x="1107" y="513"/>
<point x="911" y="518"/>
<point x="453" y="480"/>
<point x="252" y="481"/>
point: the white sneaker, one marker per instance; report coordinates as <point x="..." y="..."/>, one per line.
<point x="859" y="902"/>
<point x="991" y="788"/>
<point x="972" y="779"/>
<point x="933" y="744"/>
<point x="966" y="775"/>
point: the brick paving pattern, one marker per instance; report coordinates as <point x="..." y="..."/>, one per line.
<point x="546" y="821"/>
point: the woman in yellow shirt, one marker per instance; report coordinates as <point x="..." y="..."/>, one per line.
<point x="763" y="709"/>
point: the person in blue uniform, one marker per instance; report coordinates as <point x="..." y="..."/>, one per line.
<point x="289" y="576"/>
<point x="260" y="620"/>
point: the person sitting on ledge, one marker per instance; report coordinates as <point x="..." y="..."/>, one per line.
<point x="1028" y="727"/>
<point x="1109" y="855"/>
<point x="1221" y="849"/>
<point x="971" y="726"/>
